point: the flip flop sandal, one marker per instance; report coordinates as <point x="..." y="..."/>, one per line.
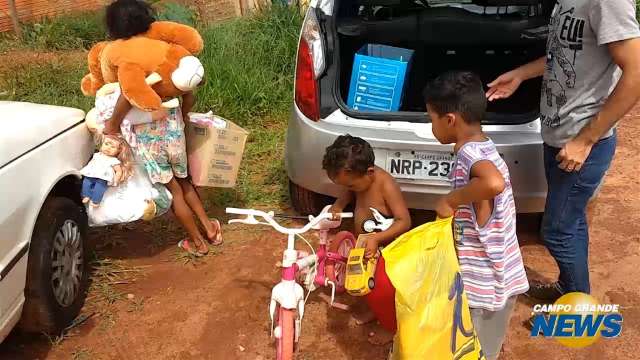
<point x="217" y="239"/>
<point x="186" y="246"/>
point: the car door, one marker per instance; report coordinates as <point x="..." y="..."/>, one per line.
<point x="15" y="218"/>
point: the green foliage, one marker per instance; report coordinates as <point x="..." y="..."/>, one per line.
<point x="249" y="65"/>
<point x="54" y="81"/>
<point x="177" y="13"/>
<point x="78" y="31"/>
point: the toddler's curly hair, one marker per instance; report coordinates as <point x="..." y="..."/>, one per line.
<point x="348" y="153"/>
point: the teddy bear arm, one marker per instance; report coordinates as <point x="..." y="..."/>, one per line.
<point x="135" y="88"/>
<point x="177" y="34"/>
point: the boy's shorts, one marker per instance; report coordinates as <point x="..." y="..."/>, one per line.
<point x="161" y="147"/>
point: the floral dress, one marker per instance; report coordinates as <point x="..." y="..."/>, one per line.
<point x="161" y="147"/>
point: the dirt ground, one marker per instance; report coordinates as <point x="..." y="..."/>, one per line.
<point x="217" y="308"/>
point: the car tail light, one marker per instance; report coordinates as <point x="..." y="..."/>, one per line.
<point x="310" y="65"/>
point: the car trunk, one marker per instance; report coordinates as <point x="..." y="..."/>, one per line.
<point x="443" y="39"/>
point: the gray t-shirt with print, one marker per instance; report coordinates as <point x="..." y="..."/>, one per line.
<point x="580" y="72"/>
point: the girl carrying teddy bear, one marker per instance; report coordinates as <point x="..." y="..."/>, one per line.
<point x="160" y="144"/>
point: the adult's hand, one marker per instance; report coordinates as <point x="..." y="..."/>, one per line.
<point x="505" y="85"/>
<point x="574" y="154"/>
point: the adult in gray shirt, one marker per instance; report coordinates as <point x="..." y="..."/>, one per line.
<point x="591" y="79"/>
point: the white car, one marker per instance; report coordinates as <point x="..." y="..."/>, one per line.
<point x="43" y="224"/>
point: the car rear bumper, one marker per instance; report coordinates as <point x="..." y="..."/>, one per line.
<point x="520" y="146"/>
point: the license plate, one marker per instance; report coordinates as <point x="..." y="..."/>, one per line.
<point x="419" y="165"/>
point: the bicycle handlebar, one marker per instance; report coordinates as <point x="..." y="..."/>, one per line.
<point x="252" y="214"/>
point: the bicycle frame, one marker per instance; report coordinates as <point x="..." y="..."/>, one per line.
<point x="288" y="294"/>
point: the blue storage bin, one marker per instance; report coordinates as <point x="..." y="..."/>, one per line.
<point x="378" y="77"/>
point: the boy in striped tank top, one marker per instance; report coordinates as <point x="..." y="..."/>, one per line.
<point x="482" y="205"/>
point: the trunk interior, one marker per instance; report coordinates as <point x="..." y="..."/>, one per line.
<point x="449" y="38"/>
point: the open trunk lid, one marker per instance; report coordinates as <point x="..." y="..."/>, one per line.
<point x="487" y="37"/>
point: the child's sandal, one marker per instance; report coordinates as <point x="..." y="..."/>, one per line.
<point x="186" y="246"/>
<point x="217" y="238"/>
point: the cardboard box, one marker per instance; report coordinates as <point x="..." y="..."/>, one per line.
<point x="215" y="150"/>
<point x="378" y="78"/>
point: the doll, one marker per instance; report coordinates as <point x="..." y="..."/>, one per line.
<point x="109" y="167"/>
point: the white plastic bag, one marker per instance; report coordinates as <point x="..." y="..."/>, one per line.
<point x="130" y="200"/>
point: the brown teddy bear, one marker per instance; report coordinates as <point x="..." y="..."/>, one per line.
<point x="167" y="49"/>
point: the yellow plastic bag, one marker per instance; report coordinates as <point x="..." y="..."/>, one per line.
<point x="431" y="307"/>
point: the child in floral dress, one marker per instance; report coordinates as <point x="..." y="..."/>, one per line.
<point x="160" y="145"/>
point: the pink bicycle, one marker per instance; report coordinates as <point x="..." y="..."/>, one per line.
<point x="324" y="267"/>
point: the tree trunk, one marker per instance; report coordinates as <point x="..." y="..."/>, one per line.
<point x="14" y="18"/>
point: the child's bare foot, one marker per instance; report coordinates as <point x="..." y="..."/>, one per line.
<point x="380" y="337"/>
<point x="85" y="200"/>
<point x="363" y="318"/>
<point x="94" y="205"/>
<point x="214" y="232"/>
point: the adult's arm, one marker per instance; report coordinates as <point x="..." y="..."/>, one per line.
<point x="507" y="84"/>
<point x="615" y="25"/>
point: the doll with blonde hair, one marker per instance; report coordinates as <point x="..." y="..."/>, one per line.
<point x="110" y="166"/>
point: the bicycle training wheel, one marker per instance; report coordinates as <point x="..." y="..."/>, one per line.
<point x="285" y="333"/>
<point x="336" y="270"/>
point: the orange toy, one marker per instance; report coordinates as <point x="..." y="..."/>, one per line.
<point x="162" y="49"/>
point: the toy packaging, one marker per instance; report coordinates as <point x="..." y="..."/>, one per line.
<point x="433" y="318"/>
<point x="360" y="279"/>
<point x="215" y="147"/>
<point x="378" y="78"/>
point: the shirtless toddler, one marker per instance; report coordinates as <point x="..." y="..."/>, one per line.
<point x="349" y="162"/>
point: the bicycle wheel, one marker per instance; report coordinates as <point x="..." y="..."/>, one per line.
<point x="285" y="336"/>
<point x="341" y="245"/>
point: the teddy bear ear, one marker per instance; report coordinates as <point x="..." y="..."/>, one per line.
<point x="178" y="34"/>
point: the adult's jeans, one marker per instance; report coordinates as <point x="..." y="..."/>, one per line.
<point x="564" y="228"/>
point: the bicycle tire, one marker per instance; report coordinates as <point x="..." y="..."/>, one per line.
<point x="285" y="343"/>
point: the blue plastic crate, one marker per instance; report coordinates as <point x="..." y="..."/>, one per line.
<point x="378" y="78"/>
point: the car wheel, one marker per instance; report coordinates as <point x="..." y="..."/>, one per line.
<point x="307" y="202"/>
<point x="58" y="267"/>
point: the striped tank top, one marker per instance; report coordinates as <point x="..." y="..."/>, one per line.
<point x="490" y="259"/>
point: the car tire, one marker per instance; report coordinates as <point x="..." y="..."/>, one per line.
<point x="306" y="202"/>
<point x="58" y="267"/>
